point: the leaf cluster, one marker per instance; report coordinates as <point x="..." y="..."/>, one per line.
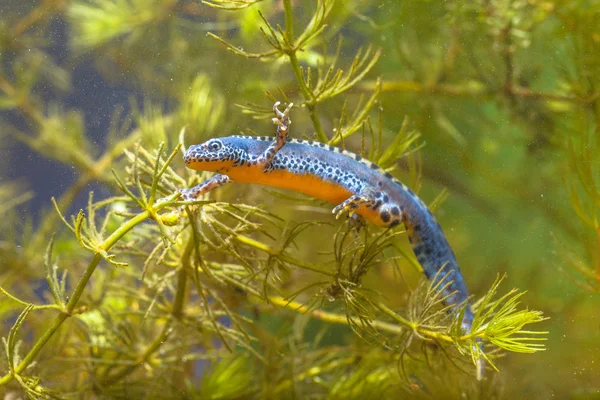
<point x="145" y="292"/>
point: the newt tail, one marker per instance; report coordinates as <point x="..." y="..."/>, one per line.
<point x="353" y="183"/>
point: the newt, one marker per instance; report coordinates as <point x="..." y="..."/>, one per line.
<point x="353" y="183"/>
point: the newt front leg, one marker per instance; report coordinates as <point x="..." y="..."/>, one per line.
<point x="283" y="122"/>
<point x="205" y="187"/>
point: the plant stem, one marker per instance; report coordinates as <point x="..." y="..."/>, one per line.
<point x="381" y="325"/>
<point x="308" y="95"/>
<point x="330" y="317"/>
<point x="317" y="123"/>
<point x="289" y="21"/>
<point x="179" y="301"/>
<point x="291" y="53"/>
<point x="24" y="303"/>
<point x="310" y="99"/>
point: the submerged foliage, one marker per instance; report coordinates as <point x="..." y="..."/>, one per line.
<point x="249" y="292"/>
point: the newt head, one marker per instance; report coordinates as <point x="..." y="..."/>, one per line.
<point x="216" y="154"/>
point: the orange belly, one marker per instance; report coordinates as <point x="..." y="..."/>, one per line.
<point x="304" y="183"/>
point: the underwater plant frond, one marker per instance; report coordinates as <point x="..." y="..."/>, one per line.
<point x="12" y="194"/>
<point x="332" y="82"/>
<point x="230" y="5"/>
<point x="583" y="189"/>
<point x="97" y="22"/>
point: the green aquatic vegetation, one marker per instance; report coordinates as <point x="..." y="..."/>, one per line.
<point x="252" y="293"/>
<point x="582" y="183"/>
<point x="329" y="81"/>
<point x="182" y="245"/>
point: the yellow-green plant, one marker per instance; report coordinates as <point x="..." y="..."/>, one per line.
<point x="146" y="296"/>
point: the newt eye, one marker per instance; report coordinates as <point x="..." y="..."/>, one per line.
<point x="215" y="145"/>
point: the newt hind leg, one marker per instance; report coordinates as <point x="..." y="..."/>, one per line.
<point x="353" y="203"/>
<point x="283" y="122"/>
<point x="389" y="213"/>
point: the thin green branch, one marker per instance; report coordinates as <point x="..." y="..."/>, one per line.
<point x="289" y="21"/>
<point x="26" y="304"/>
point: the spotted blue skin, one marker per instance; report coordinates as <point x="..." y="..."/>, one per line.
<point x="393" y="200"/>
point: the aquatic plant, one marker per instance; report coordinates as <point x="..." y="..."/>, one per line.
<point x="148" y="296"/>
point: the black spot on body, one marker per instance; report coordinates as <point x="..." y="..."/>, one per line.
<point x="395" y="211"/>
<point x="394" y="223"/>
<point x="385" y="216"/>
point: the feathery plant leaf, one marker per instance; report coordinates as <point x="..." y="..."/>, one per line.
<point x="501" y="323"/>
<point x="231" y="5"/>
<point x="56" y="285"/>
<point x="230" y="377"/>
<point x="96" y="22"/>
<point x="11" y="344"/>
<point x="333" y="82"/>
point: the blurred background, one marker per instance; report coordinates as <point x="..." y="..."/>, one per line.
<point x="505" y="95"/>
